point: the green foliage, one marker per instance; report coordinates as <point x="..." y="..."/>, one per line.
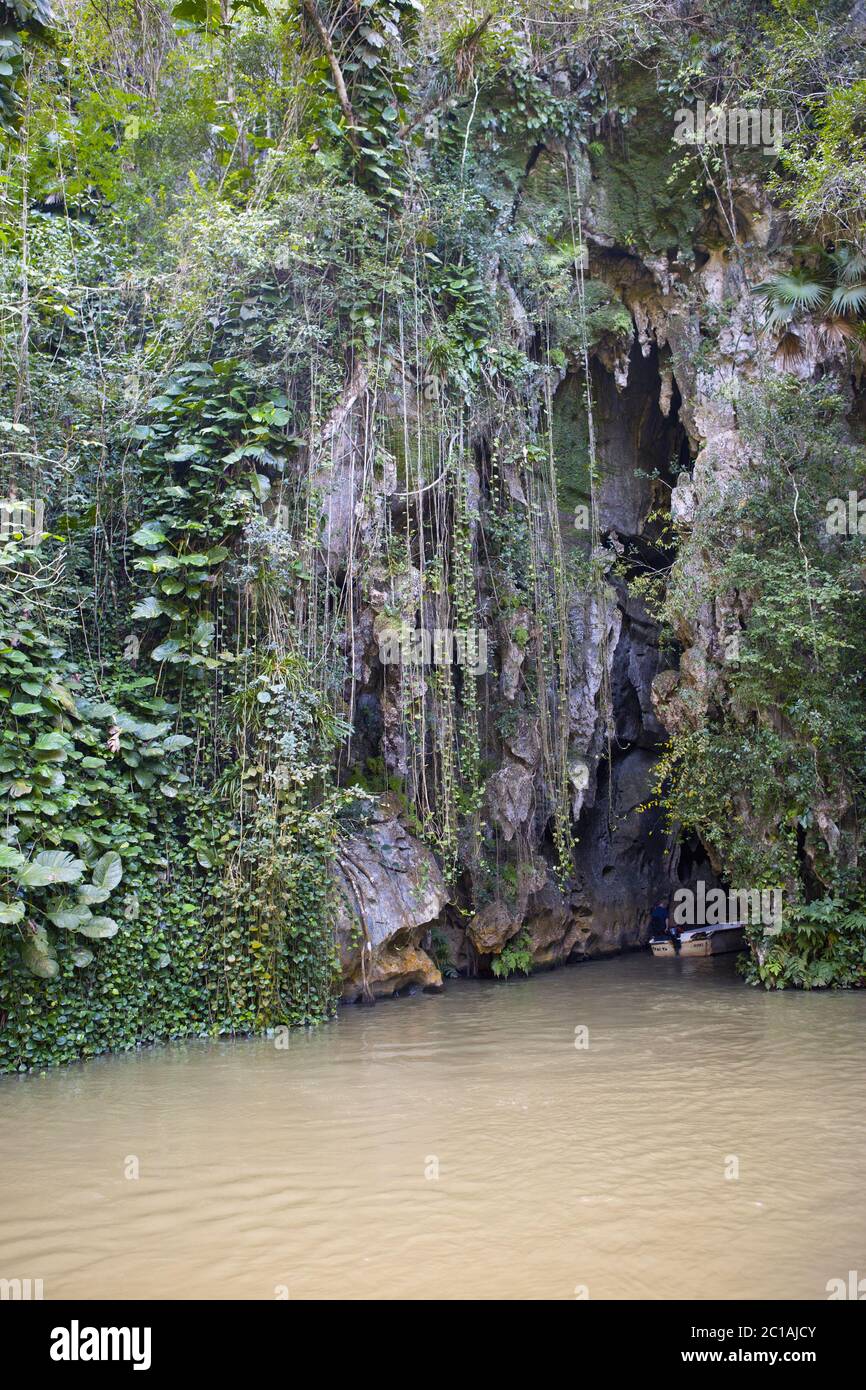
<point x="460" y="348"/>
<point x="825" y="165"/>
<point x="19" y="20"/>
<point x="207" y="16"/>
<point x="831" y="291"/>
<point x="807" y="60"/>
<point x="652" y="201"/>
<point x="773" y="773"/>
<point x="227" y="929"/>
<point x="204" y="443"/>
<point x="515" y="955"/>
<point x="371" y="59"/>
<point x="71" y="766"/>
<point x="440" y="953"/>
<point x="824" y="946"/>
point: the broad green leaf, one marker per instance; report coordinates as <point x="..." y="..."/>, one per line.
<point x="182" y="453"/>
<point x="51" y="866"/>
<point x="176" y="741"/>
<point x="100" y="929"/>
<point x="260" y="486"/>
<point x="148" y="534"/>
<point x="61" y="696"/>
<point x="108" y="871"/>
<point x="39" y="962"/>
<point x="146" y="731"/>
<point x="149" y="607"/>
<point x="91" y="894"/>
<point x="203" y="633"/>
<point x="165" y="650"/>
<point x="69" y="916"/>
<point x="52" y="747"/>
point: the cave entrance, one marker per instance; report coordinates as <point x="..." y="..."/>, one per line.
<point x="641" y="447"/>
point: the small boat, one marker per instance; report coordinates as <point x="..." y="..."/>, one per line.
<point x="662" y="946"/>
<point x="713" y="941"/>
<point x="702" y="941"/>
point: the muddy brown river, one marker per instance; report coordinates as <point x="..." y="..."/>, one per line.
<point x="626" y="1129"/>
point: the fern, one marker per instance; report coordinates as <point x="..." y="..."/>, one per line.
<point x="516" y="955"/>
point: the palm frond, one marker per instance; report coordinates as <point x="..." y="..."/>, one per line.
<point x="849" y="264"/>
<point x="848" y="300"/>
<point x="835" y="332"/>
<point x="799" y="289"/>
<point x="776" y="313"/>
<point x="779" y="316"/>
<point x="789" y="348"/>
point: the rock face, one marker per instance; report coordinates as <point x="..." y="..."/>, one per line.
<point x="390" y="891"/>
<point x="626" y="859"/>
<point x="667" y="443"/>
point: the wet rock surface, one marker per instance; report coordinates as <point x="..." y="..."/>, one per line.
<point x="390" y="890"/>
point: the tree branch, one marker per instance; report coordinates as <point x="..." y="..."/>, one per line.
<point x="336" y="72"/>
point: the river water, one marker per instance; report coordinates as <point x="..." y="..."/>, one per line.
<point x="707" y="1141"/>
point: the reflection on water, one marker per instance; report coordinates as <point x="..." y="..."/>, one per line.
<point x="312" y="1169"/>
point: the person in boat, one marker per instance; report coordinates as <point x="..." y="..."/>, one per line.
<point x="660" y="924"/>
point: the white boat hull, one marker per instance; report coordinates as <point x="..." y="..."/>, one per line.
<point x="702" y="941"/>
<point x="662" y="947"/>
<point x="713" y="941"/>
